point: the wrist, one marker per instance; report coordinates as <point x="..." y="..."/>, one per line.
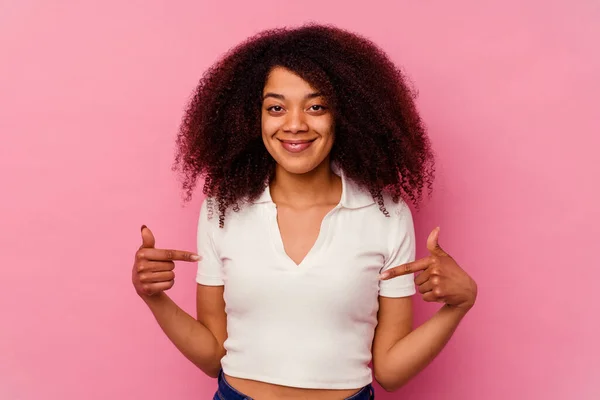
<point x="153" y="299"/>
<point x="458" y="310"/>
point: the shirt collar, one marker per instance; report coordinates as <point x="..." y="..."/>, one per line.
<point x="353" y="195"/>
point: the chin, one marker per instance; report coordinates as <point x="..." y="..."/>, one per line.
<point x="298" y="165"/>
<point x="298" y="168"/>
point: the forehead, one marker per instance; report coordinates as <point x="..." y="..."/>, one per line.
<point x="283" y="80"/>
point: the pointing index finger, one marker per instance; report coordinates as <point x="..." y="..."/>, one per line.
<point x="408" y="268"/>
<point x="169" y="255"/>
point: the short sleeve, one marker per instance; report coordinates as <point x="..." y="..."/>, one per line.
<point x="401" y="250"/>
<point x="210" y="267"/>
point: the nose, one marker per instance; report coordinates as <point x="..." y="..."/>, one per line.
<point x="295" y="122"/>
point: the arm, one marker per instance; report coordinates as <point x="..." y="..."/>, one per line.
<point x="199" y="340"/>
<point x="399" y="352"/>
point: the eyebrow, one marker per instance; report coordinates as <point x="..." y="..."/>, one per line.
<point x="282" y="97"/>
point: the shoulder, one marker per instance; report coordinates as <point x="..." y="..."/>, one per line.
<point x="383" y="209"/>
<point x="210" y="215"/>
<point x="400" y="234"/>
<point x="398" y="225"/>
<point x="394" y="215"/>
<point x="209" y="211"/>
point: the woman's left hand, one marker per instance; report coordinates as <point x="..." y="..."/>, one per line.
<point x="442" y="279"/>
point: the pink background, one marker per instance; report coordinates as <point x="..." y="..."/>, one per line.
<point x="91" y="95"/>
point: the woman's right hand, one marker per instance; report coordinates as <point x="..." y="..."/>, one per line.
<point x="152" y="271"/>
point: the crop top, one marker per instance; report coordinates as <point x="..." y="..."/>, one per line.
<point x="309" y="325"/>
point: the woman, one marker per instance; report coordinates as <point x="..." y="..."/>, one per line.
<point x="310" y="146"/>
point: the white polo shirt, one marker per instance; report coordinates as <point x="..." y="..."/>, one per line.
<point x="309" y="325"/>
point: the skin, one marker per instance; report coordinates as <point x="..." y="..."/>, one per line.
<point x="305" y="190"/>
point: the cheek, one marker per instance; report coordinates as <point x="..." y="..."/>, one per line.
<point x="269" y="125"/>
<point x="327" y="129"/>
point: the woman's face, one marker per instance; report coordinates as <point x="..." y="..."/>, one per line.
<point x="297" y="124"/>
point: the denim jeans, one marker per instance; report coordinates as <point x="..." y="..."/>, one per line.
<point x="226" y="392"/>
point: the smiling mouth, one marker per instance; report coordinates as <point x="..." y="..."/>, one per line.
<point x="296" y="146"/>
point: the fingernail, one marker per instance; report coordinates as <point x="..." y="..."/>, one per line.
<point x="195" y="257"/>
<point x="143" y="226"/>
<point x="384" y="275"/>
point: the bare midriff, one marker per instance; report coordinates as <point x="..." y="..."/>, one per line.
<point x="268" y="391"/>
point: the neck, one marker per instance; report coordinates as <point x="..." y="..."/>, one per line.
<point x="318" y="187"/>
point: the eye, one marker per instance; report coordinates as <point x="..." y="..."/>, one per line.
<point x="276" y="109"/>
<point x="317" y="110"/>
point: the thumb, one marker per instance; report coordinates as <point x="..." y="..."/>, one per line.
<point x="432" y="243"/>
<point x="148" y="240"/>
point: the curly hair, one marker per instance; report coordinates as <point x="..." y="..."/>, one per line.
<point x="380" y="139"/>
